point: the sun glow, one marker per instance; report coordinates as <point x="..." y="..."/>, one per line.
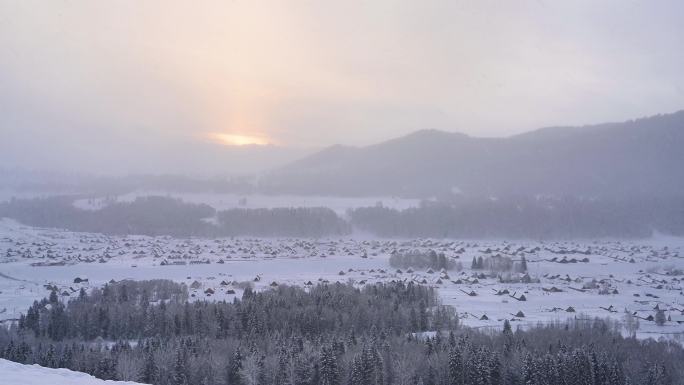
<point x="230" y="139"/>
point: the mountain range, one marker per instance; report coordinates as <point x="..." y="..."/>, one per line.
<point x="642" y="157"/>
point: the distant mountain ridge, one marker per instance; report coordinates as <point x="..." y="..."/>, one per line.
<point x="633" y="158"/>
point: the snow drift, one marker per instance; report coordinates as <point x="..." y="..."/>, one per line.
<point x="12" y="373"/>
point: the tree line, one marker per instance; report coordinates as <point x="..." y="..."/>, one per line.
<point x="331" y="334"/>
<point x="287" y="222"/>
<point x="421" y="259"/>
<point x="526" y="217"/>
<point x="158" y="215"/>
<point x="464" y="217"/>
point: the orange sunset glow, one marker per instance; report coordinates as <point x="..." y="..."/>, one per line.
<point x="231" y="139"/>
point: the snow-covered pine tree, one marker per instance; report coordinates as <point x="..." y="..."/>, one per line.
<point x="330" y="374"/>
<point x="456" y="368"/>
<point x="149" y="373"/>
<point x="234" y="376"/>
<point x="180" y="368"/>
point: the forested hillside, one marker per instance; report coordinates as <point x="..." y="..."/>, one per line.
<point x="639" y="157"/>
<point x="392" y="333"/>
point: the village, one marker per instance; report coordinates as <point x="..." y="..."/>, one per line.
<point x="636" y="283"/>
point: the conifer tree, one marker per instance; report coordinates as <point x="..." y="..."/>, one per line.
<point x="330" y="374"/>
<point x="106" y="369"/>
<point x="234" y="376"/>
<point x="456" y="368"/>
<point x="180" y="369"/>
<point x="149" y="373"/>
<point x="523" y="265"/>
<point x="507" y="330"/>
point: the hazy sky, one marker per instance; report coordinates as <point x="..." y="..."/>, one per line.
<point x="166" y="86"/>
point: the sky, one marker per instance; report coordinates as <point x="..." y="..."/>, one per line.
<point x="225" y="87"/>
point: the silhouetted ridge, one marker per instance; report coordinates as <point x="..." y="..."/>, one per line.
<point x="637" y="157"/>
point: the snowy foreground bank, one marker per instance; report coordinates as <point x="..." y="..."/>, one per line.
<point x="12" y="373"/>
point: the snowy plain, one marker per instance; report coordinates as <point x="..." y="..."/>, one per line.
<point x="618" y="276"/>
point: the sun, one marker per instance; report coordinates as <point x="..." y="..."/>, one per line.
<point x="232" y="139"/>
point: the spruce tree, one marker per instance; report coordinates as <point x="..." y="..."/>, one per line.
<point x="422" y="315"/>
<point x="281" y="377"/>
<point x="656" y="374"/>
<point x="456" y="368"/>
<point x="234" y="376"/>
<point x="452" y="339"/>
<point x="356" y="372"/>
<point x="261" y="371"/>
<point x="302" y="372"/>
<point x="66" y="360"/>
<point x="106" y="369"/>
<point x="495" y="377"/>
<point x="507" y="330"/>
<point x="529" y="370"/>
<point x="180" y="369"/>
<point x="50" y="359"/>
<point x="149" y="373"/>
<point x="329" y="370"/>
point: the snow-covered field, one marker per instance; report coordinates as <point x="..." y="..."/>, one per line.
<point x="618" y="276"/>
<point x="12" y="373"/>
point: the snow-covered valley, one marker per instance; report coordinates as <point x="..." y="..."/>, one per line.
<point x="607" y="279"/>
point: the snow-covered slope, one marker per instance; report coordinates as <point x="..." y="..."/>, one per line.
<point x="12" y="373"/>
